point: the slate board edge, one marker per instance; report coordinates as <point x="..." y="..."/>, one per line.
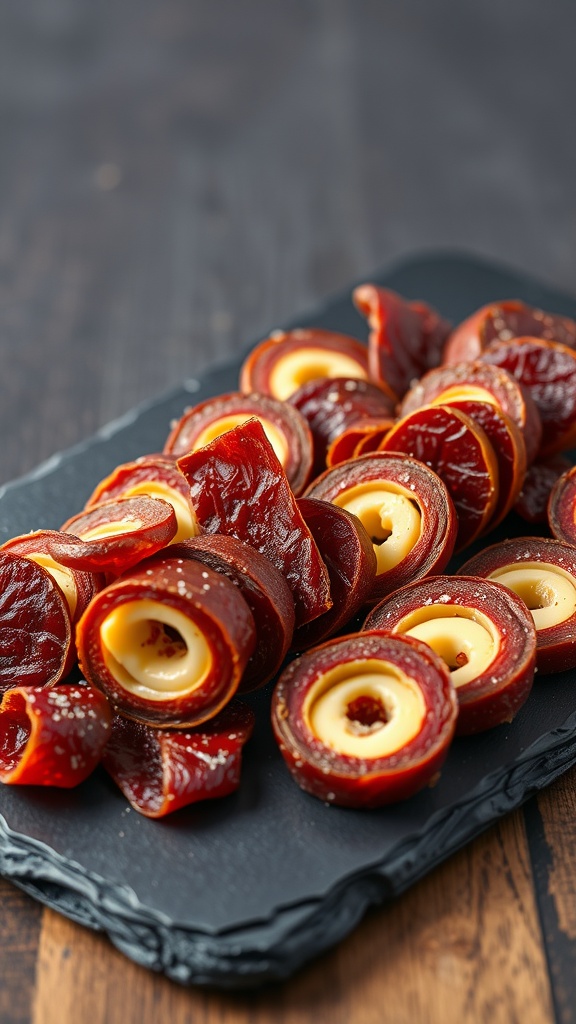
<point x="260" y="952"/>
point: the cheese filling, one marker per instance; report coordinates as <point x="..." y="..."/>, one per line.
<point x="153" y="650"/>
<point x="365" y="709"/>
<point x="111" y="529"/>
<point x="187" y="524"/>
<point x="547" y="589"/>
<point x="220" y="426"/>
<point x="390" y="517"/>
<point x="464" y="393"/>
<point x="294" y="369"/>
<point x="63" y="576"/>
<point x="465" y="639"/>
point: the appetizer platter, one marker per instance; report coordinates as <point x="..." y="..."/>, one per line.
<point x="310" y="810"/>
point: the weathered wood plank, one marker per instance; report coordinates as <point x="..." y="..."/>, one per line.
<point x="551" y="822"/>
<point x="463" y="945"/>
<point x="19" y="939"/>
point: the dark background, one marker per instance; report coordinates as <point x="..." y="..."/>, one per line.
<point x="177" y="177"/>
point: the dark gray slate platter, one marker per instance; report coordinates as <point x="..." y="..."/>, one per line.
<point x="247" y="889"/>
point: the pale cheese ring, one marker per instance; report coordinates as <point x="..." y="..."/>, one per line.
<point x="294" y="369"/>
<point x="327" y="709"/>
<point x="144" y="659"/>
<point x="455" y="633"/>
<point x="390" y="516"/>
<point x="547" y="589"/>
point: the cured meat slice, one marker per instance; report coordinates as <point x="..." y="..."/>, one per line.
<point x="542" y="572"/>
<point x="547" y="371"/>
<point x="405" y="509"/>
<point x="115" y="535"/>
<point x="159" y="771"/>
<point x="168" y="642"/>
<point x="35" y="629"/>
<point x="365" y="720"/>
<point x="157" y="476"/>
<point x="54" y="736"/>
<point x="238" y="488"/>
<point x="503" y="321"/>
<point x="351" y="562"/>
<point x="483" y="632"/>
<point x="331" y="407"/>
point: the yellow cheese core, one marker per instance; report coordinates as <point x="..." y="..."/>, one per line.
<point x="464" y="392"/>
<point x="187" y="524"/>
<point x="465" y="639"/>
<point x="547" y="589"/>
<point x="63" y="576"/>
<point x="111" y="529"/>
<point x="145" y="658"/>
<point x="390" y="517"/>
<point x="296" y="368"/>
<point x="330" y="709"/>
<point x="219" y="427"/>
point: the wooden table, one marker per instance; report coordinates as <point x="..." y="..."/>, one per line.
<point x="175" y="179"/>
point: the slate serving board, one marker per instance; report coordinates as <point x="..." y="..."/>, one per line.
<point x="245" y="890"/>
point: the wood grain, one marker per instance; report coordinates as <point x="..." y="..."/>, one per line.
<point x="19" y="938"/>
<point x="558" y="809"/>
<point x="551" y="822"/>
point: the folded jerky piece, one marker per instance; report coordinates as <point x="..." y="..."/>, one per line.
<point x="406" y="338"/>
<point x="161" y="770"/>
<point x="114" y="536"/>
<point x="168" y="642"/>
<point x="265" y="591"/>
<point x="238" y="488"/>
<point x="285" y="428"/>
<point x="35" y="630"/>
<point x="52" y="736"/>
